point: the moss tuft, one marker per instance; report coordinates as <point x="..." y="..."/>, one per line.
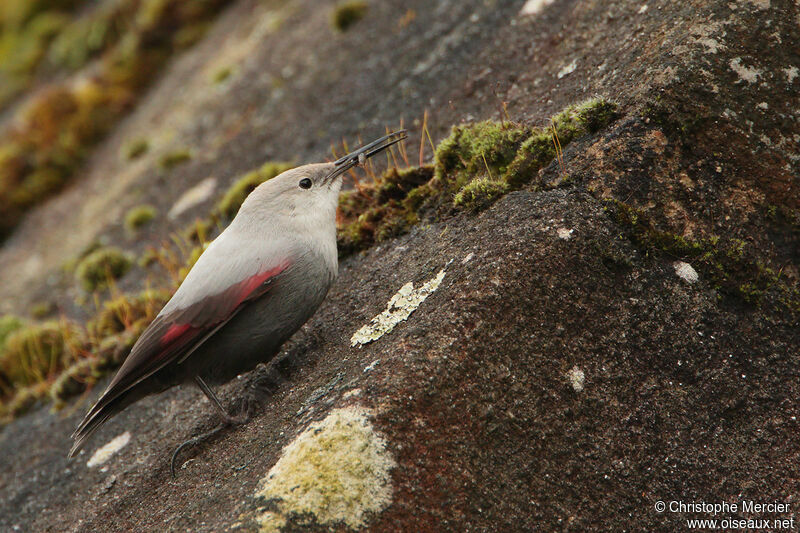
<point x="36" y="353"/>
<point x="127" y="312"/>
<point x="96" y="270"/>
<point x="70" y="265"/>
<point x="200" y="230"/>
<point x="21" y="401"/>
<point x="347" y="14"/>
<point x="539" y="149"/>
<point x="221" y="75"/>
<point x="139" y="216"/>
<point x="383" y="209"/>
<point x="476" y="149"/>
<point x="136" y="149"/>
<point x="8" y="325"/>
<point x="172" y="159"/>
<point x="480" y="193"/>
<point x="193" y="256"/>
<point x="148" y="258"/>
<point x="42" y="309"/>
<point x="229" y="205"/>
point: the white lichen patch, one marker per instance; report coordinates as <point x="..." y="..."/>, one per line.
<point x="194" y="196"/>
<point x="399" y="308"/>
<point x="534" y="7"/>
<point x="568" y="69"/>
<point x="105" y="453"/>
<point x="564" y="233"/>
<point x="748" y="74"/>
<point x="337" y="471"/>
<point x="685" y="271"/>
<point x="791" y="73"/>
<point x="576" y="378"/>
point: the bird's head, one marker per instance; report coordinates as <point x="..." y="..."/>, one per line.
<point x="311" y="189"/>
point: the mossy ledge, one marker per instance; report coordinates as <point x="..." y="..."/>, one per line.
<point x="473" y="167"/>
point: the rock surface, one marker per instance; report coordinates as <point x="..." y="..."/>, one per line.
<point x="547" y="383"/>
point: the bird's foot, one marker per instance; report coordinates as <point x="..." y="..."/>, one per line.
<point x="229" y="420"/>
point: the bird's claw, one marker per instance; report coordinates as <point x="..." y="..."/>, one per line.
<point x="192" y="442"/>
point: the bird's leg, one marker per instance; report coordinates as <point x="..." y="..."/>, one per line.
<point x="226" y="417"/>
<point x="227" y="420"/>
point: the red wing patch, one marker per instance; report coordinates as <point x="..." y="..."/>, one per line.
<point x="174" y="331"/>
<point x="224" y="303"/>
<point x="246" y="287"/>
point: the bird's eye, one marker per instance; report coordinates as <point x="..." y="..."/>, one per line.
<point x="305" y="183"/>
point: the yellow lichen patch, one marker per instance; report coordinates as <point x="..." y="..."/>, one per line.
<point x="397" y="310"/>
<point x="336" y="471"/>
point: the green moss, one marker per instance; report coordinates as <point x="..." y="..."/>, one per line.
<point x="229" y="205"/>
<point x="418" y="198"/>
<point x="174" y="158"/>
<point x="97" y="269"/>
<point x="222" y="74"/>
<point x="473" y="149"/>
<point x="480" y="193"/>
<point x="381" y="210"/>
<point x="22" y="49"/>
<point x="193" y="256"/>
<point x="199" y="231"/>
<point x="188" y="35"/>
<point x="125" y="311"/>
<point x="8" y="325"/>
<point x="148" y="258"/>
<point x="347" y="14"/>
<point x="136" y="149"/>
<point x="536" y="152"/>
<point x="727" y="263"/>
<point x="72" y="381"/>
<point x="70" y="265"/>
<point x="541" y="147"/>
<point x="476" y="164"/>
<point x="20" y="402"/>
<point x="39" y="352"/>
<point x="91" y="34"/>
<point x="139" y="216"/>
<point x="42" y="309"/>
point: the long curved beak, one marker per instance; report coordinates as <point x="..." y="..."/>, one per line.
<point x="357" y="157"/>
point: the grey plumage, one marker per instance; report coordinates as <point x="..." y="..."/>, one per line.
<point x="252" y="288"/>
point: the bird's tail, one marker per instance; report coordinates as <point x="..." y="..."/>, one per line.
<point x="97" y="416"/>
